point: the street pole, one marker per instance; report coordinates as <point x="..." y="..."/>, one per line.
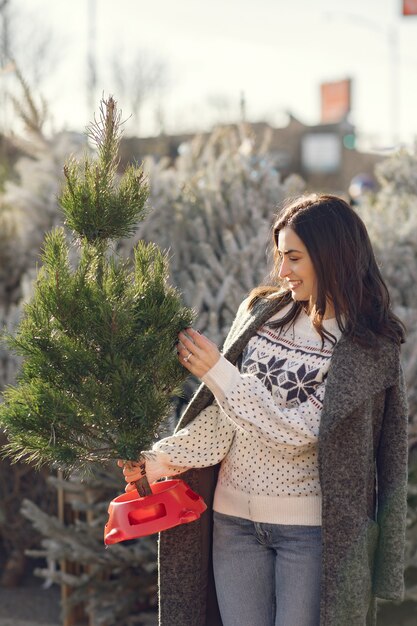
<point x="91" y="57"/>
<point x="395" y="83"/>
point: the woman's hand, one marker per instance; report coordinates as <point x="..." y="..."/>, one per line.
<point x="131" y="472"/>
<point x="197" y="353"/>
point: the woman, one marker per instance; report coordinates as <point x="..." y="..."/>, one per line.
<point x="297" y="440"/>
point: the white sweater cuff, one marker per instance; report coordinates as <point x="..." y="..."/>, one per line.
<point x="221" y="378"/>
<point x="157" y="465"/>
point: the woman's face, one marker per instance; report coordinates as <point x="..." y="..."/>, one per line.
<point x="296" y="267"/>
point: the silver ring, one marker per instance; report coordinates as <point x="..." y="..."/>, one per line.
<point x="187" y="358"/>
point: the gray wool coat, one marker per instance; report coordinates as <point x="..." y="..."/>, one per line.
<point x="362" y="456"/>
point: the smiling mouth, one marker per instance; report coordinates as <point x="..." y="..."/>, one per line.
<point x="294" y="283"/>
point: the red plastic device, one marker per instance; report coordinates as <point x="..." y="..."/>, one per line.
<point x="172" y="503"/>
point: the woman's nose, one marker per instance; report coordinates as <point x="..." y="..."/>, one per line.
<point x="284" y="269"/>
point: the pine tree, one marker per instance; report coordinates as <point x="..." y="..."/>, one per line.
<point x="98" y="336"/>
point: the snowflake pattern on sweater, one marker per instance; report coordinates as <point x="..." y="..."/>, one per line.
<point x="299" y="371"/>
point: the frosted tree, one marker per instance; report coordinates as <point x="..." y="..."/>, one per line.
<point x="213" y="209"/>
<point x="391" y="218"/>
<point x="28" y="208"/>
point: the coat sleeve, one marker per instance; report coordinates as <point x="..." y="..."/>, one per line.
<point x="391" y="461"/>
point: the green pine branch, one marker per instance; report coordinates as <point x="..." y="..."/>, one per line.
<point x="96" y="207"/>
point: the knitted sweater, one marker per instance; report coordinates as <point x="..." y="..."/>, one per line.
<point x="263" y="427"/>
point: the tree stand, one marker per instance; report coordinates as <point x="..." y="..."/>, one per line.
<point x="152" y="509"/>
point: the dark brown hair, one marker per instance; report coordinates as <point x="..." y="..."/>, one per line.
<point x="347" y="272"/>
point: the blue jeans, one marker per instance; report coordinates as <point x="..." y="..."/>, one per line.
<point x="266" y="574"/>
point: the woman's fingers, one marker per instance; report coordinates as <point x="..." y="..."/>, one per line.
<point x="196" y="353"/>
<point x="131" y="470"/>
<point x="122" y="463"/>
<point x="131" y="474"/>
<point x="187" y="349"/>
<point x="190" y="341"/>
<point x="188" y="345"/>
<point x="201" y="341"/>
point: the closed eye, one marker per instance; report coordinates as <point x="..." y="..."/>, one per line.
<point x="291" y="258"/>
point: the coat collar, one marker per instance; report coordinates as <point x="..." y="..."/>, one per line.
<point x="356" y="374"/>
<point x="249" y="324"/>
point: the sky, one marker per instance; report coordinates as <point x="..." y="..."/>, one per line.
<point x="275" y="52"/>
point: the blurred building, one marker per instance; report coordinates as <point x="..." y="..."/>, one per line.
<point x="324" y="154"/>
